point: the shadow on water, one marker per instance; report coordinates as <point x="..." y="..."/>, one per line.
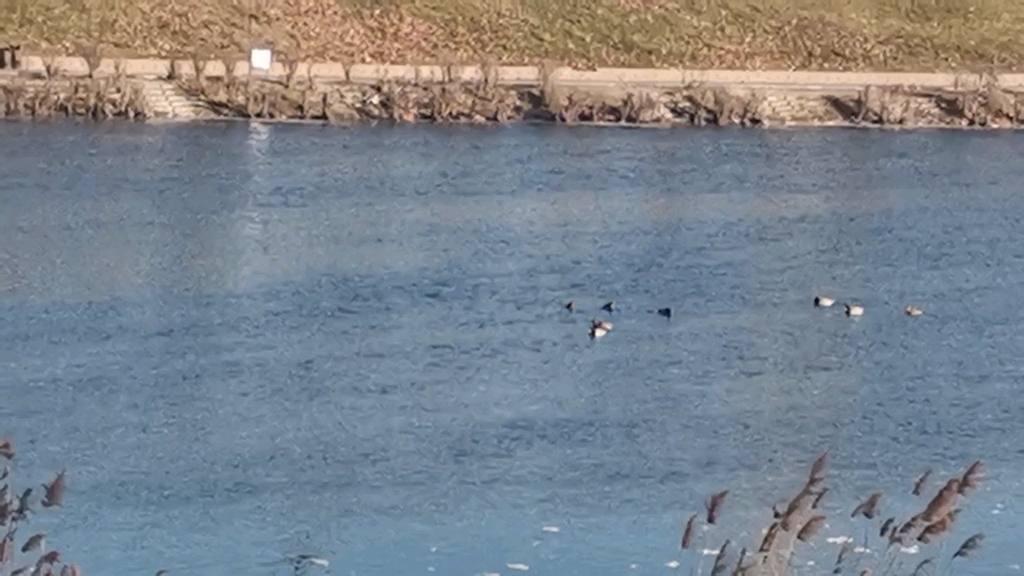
<point x="252" y="342"/>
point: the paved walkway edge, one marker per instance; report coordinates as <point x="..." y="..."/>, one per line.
<point x="524" y="76"/>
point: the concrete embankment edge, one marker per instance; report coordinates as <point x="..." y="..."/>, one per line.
<point x="516" y="75"/>
<point x="155" y="75"/>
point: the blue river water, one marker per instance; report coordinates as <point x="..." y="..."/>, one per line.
<point x="246" y="342"/>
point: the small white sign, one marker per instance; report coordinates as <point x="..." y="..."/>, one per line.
<point x="260" y="59"/>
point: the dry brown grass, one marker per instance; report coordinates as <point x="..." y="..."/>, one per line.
<point x="982" y="35"/>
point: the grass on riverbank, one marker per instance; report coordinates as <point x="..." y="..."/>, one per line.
<point x="981" y="35"/>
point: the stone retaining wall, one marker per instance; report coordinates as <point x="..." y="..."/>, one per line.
<point x="516" y="76"/>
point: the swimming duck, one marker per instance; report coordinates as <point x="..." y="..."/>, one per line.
<point x="913" y="311"/>
<point x="610" y="306"/>
<point x="571" y="306"/>
<point x="823" y="301"/>
<point x="666" y="312"/>
<point x="599" y="328"/>
<point x="854" y="310"/>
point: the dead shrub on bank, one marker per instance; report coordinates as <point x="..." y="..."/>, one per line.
<point x="717" y="106"/>
<point x="630" y="107"/>
<point x="401" y="102"/>
<point x="98" y="99"/>
<point x="482" y="101"/>
<point x="986" y="104"/>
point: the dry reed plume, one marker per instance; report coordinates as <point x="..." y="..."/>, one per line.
<point x="889" y="522"/>
<point x="13" y="517"/>
<point x="54" y="491"/>
<point x="969" y="546"/>
<point x="715" y="504"/>
<point x="921" y="481"/>
<point x="817" y="499"/>
<point x="868" y="508"/>
<point x="687" y="538"/>
<point x="970" y="478"/>
<point x="810" y="528"/>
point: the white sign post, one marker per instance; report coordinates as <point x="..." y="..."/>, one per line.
<point x="260" y="59"/>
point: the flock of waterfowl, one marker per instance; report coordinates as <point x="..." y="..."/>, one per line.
<point x="600" y="328"/>
<point x="857" y="309"/>
<point x="799" y="519"/>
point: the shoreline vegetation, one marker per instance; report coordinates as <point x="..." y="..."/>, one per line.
<point x="98" y="88"/>
<point x="984" y="105"/>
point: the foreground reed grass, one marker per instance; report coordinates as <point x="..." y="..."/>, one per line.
<point x="921" y="35"/>
<point x="16" y="510"/>
<point x="798" y="524"/>
<point x="802" y="520"/>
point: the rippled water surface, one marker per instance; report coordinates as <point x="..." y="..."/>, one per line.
<point x="248" y="342"/>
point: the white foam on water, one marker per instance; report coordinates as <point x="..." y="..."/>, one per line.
<point x="673" y="564"/>
<point x="912" y="550"/>
<point x="516" y="566"/>
<point x="551" y="529"/>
